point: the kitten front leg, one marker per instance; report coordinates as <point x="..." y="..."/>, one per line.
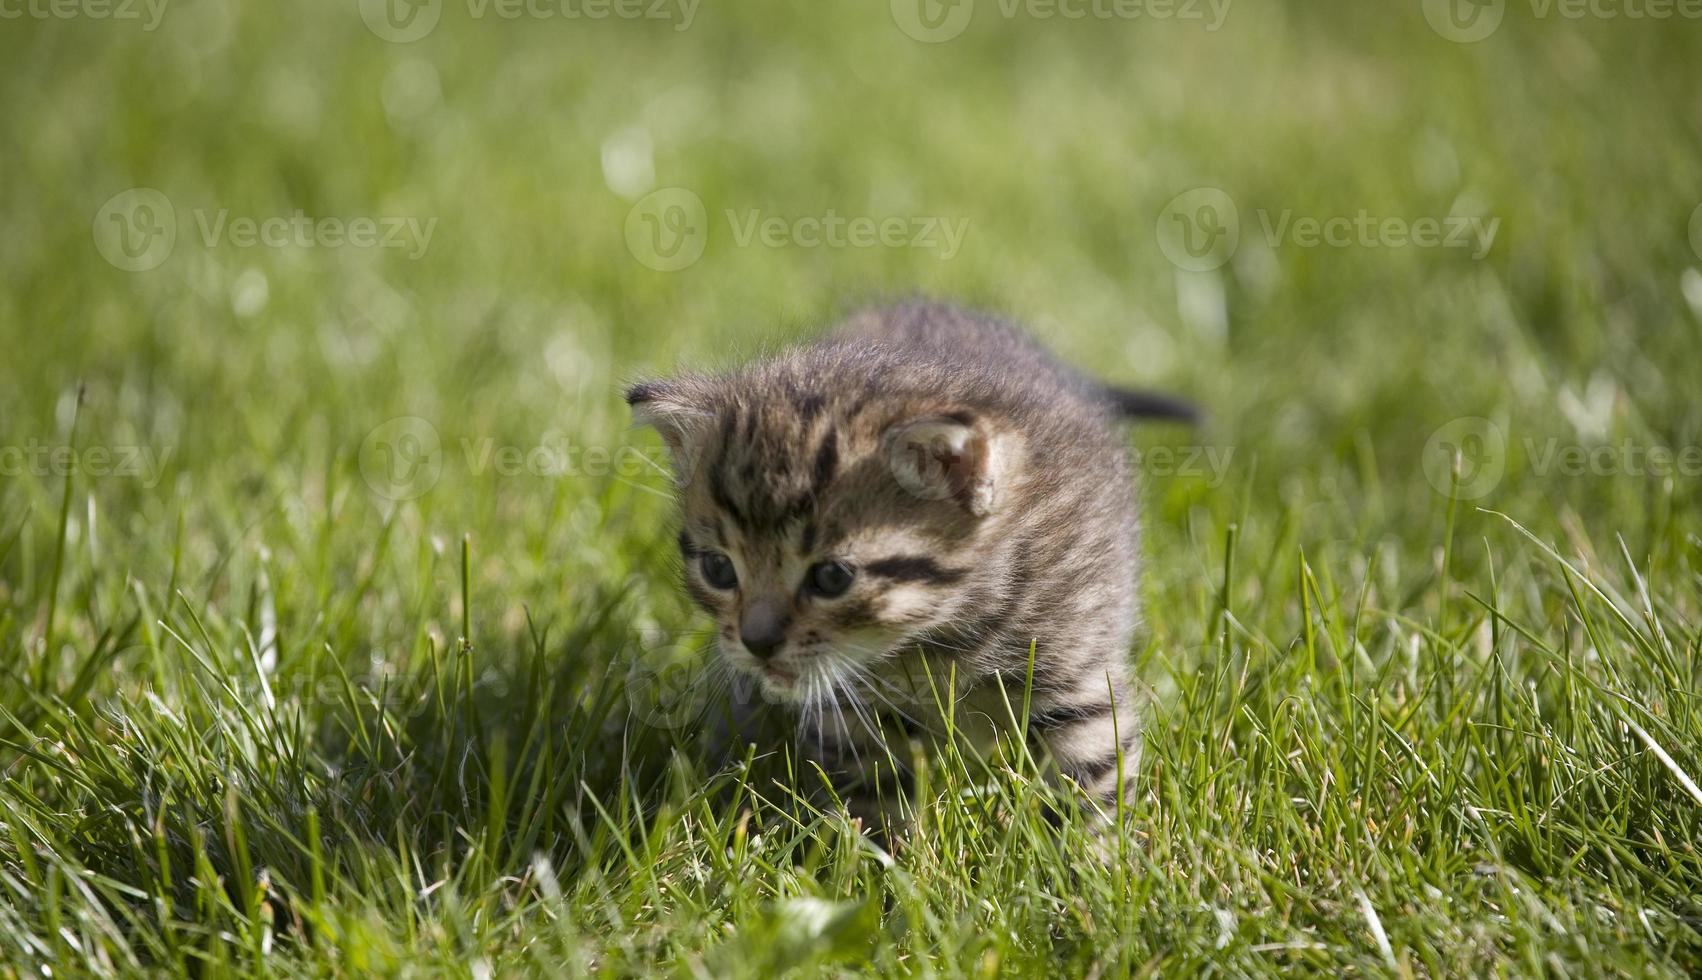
<point x="861" y="770"/>
<point x="1093" y="738"/>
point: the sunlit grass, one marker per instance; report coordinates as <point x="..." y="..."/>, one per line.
<point x="267" y="706"/>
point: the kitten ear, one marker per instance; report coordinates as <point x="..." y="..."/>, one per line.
<point x="941" y="457"/>
<point x="674" y="410"/>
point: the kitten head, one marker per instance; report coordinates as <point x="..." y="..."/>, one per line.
<point x="825" y="526"/>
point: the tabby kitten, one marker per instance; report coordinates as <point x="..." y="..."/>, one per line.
<point x="917" y="500"/>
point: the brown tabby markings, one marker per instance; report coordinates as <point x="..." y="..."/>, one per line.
<point x="978" y="495"/>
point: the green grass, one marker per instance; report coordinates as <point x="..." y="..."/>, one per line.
<point x="256" y="716"/>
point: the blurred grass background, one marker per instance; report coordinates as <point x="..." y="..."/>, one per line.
<point x="261" y="561"/>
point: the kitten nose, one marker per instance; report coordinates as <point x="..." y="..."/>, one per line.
<point x="763" y="628"/>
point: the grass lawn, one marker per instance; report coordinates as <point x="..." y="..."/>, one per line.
<point x="339" y="631"/>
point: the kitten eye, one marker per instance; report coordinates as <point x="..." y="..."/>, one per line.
<point x="830" y="579"/>
<point x="718" y="570"/>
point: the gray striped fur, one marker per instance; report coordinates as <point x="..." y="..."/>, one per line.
<point x="981" y="493"/>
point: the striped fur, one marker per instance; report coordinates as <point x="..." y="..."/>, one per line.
<point x="978" y="492"/>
